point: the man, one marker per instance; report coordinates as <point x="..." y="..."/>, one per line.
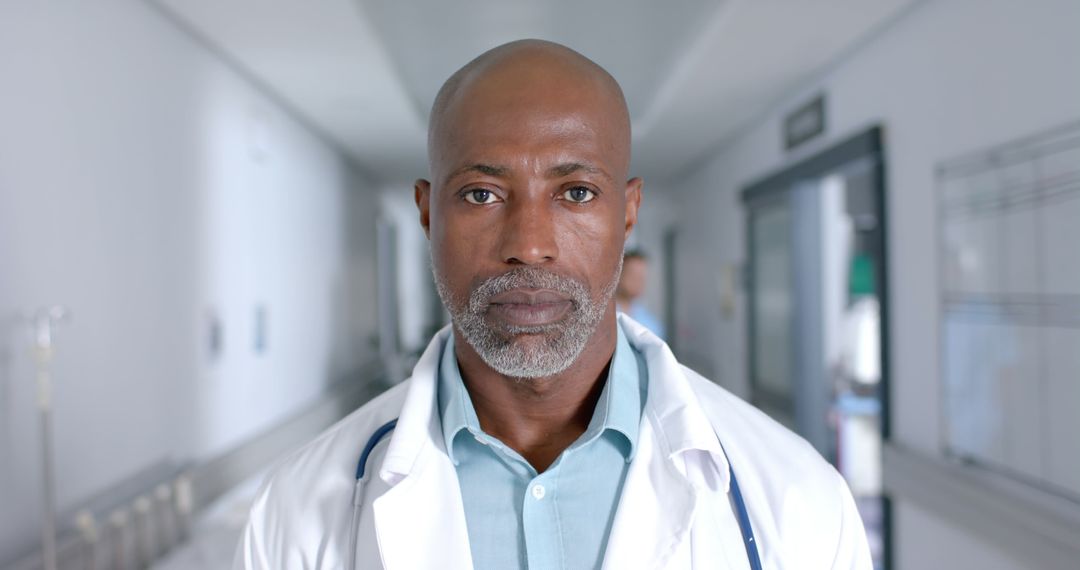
<point x="635" y="272"/>
<point x="540" y="430"/>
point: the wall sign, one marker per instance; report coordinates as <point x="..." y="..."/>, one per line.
<point x="804" y="123"/>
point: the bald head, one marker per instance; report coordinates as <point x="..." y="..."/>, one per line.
<point x="529" y="77"/>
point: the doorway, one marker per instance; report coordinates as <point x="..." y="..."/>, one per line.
<point x="816" y="281"/>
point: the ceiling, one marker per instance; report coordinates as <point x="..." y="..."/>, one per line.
<point x="364" y="72"/>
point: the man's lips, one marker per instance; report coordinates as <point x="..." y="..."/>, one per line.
<point x="528" y="297"/>
<point x="529" y="307"/>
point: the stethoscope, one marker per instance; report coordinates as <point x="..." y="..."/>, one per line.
<point x="385" y="429"/>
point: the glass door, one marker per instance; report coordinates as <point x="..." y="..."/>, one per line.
<point x="772" y="308"/>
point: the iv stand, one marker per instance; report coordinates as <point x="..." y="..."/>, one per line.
<point x="43" y="322"/>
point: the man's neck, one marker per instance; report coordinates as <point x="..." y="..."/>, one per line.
<point x="539" y="418"/>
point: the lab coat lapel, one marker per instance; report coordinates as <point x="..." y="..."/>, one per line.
<point x="678" y="470"/>
<point x="655" y="513"/>
<point x="420" y="520"/>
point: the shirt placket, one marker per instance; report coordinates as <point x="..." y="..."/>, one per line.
<point x="543" y="539"/>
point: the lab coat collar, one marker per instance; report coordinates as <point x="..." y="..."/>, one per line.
<point x="418" y="428"/>
<point x="679" y="459"/>
<point x="679" y="420"/>
<point x="422" y="479"/>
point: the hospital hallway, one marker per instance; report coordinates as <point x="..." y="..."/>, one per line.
<point x="861" y="217"/>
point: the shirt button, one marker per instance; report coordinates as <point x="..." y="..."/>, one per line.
<point x="538" y="492"/>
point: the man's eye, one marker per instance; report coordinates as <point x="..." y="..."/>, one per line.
<point x="480" y="196"/>
<point x="579" y="194"/>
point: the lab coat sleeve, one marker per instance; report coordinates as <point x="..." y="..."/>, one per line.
<point x="251" y="552"/>
<point x="249" y="555"/>
<point x="852" y="548"/>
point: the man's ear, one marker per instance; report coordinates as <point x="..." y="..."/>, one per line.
<point x="422" y="191"/>
<point x="633" y="203"/>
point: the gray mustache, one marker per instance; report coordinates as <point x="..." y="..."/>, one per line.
<point x="527" y="277"/>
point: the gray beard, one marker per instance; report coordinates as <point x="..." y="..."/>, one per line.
<point x="561" y="343"/>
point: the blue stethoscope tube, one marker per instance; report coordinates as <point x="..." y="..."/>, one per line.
<point x="385" y="429"/>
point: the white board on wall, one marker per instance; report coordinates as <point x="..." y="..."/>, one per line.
<point x="1009" y="222"/>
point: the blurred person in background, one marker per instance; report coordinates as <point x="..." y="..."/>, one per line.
<point x="635" y="275"/>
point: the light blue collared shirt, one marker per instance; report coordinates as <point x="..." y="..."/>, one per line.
<point x="560" y="518"/>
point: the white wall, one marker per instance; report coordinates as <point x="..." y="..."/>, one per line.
<point x="948" y="78"/>
<point x="145" y="185"/>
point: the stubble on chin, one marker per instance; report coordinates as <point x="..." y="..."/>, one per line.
<point x="535" y="351"/>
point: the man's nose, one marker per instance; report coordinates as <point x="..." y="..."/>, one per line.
<point x="529" y="234"/>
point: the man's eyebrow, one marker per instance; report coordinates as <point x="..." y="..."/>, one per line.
<point x="557" y="171"/>
<point x="485" y="169"/>
<point x="569" y="168"/>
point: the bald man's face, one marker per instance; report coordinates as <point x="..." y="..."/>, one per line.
<point x="527" y="212"/>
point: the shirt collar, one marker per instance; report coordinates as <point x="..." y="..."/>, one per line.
<point x="455" y="406"/>
<point x="620" y="404"/>
<point x="618" y="410"/>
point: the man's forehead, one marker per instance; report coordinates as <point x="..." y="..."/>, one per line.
<point x="523" y="90"/>
<point x="524" y="142"/>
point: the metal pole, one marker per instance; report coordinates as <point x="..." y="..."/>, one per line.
<point x="48" y="523"/>
<point x="43" y="356"/>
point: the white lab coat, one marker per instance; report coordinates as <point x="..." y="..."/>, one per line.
<point x="674" y="511"/>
